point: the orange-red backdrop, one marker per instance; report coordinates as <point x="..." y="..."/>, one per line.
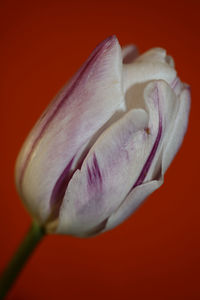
<point x="156" y="253"/>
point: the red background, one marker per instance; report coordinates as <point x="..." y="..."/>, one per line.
<point x="156" y="253"/>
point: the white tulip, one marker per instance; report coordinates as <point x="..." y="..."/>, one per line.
<point x="104" y="143"/>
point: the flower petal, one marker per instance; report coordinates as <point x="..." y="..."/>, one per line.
<point x="67" y="126"/>
<point x="99" y="181"/>
<point x="168" y="104"/>
<point x="125" y="150"/>
<point x="178" y="129"/>
<point x="176" y="117"/>
<point x="152" y="65"/>
<point x="131" y="203"/>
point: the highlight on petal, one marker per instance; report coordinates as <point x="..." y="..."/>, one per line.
<point x="92" y="97"/>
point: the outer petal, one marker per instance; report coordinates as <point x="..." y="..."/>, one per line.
<point x="99" y="182"/>
<point x="154" y="176"/>
<point x="64" y="130"/>
<point x="131" y="203"/>
<point x="172" y="142"/>
<point x="168" y="107"/>
<point x="178" y="129"/>
<point x="152" y="65"/>
<point x="126" y="150"/>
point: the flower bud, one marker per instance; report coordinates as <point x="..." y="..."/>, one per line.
<point x="104" y="143"/>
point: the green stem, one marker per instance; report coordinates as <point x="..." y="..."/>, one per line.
<point x="29" y="243"/>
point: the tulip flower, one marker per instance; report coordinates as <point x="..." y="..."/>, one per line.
<point x="101" y="147"/>
<point x="106" y="140"/>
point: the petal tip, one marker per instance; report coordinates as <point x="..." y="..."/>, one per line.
<point x="109" y="43"/>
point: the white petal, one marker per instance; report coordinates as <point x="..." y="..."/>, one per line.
<point x="64" y="130"/>
<point x="178" y="129"/>
<point x="98" y="188"/>
<point x="120" y="159"/>
<point x="172" y="141"/>
<point x="152" y="65"/>
<point x="131" y="203"/>
<point x="154" y="177"/>
<point x="156" y="55"/>
<point x="168" y="108"/>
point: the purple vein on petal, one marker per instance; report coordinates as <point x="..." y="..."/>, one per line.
<point x="149" y="160"/>
<point x="60" y="188"/>
<point x="61" y="185"/>
<point x="94" y="56"/>
<point x="94" y="176"/>
<point x="175" y="83"/>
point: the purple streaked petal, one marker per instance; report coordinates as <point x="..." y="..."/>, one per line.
<point x="174" y="133"/>
<point x="60" y="188"/>
<point x="58" y="103"/>
<point x="92" y="97"/>
<point x="99" y="180"/>
<point x="168" y="102"/>
<point x="168" y="107"/>
<point x="149" y="160"/>
<point x="94" y="176"/>
<point x="128" y="149"/>
<point x="178" y="129"/>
